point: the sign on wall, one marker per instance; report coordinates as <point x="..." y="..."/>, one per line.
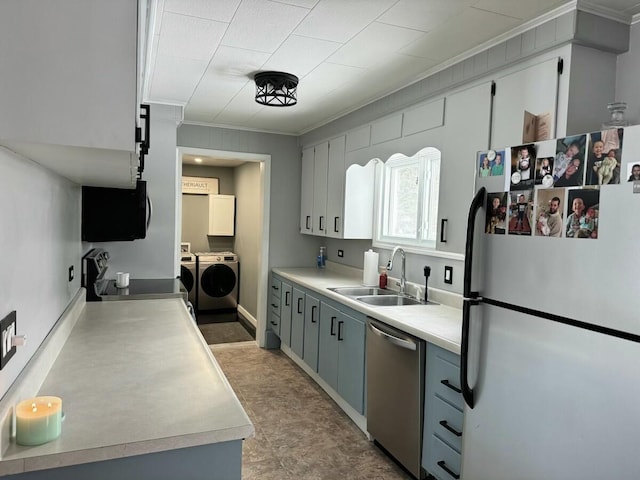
<point x="200" y="185"/>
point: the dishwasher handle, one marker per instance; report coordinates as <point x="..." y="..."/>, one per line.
<point x="400" y="342"/>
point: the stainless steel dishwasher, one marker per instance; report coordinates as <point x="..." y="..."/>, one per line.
<point x="395" y="393"/>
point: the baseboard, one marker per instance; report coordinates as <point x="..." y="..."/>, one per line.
<point x="242" y="311"/>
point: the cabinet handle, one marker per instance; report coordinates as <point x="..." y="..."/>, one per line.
<point x="313" y="309"/>
<point x="274" y="287"/>
<point x="286" y="299"/>
<point x="443" y="230"/>
<point x="333" y="319"/>
<point x="443" y="466"/>
<point x="273" y="323"/>
<point x="335" y="224"/>
<point x="307" y="226"/>
<point x="274" y="305"/>
<point x="452" y="387"/>
<point x="446" y="425"/>
<point x="320" y="221"/>
<point x="299" y="300"/>
<point x="340" y="331"/>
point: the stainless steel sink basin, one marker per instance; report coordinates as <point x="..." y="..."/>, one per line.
<point x="362" y="291"/>
<point x="389" y="300"/>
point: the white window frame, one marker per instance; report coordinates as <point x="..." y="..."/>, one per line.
<point x="428" y="168"/>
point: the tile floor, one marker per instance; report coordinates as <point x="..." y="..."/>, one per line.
<point x="301" y="433"/>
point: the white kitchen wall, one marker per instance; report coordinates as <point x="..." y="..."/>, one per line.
<point x="155" y="256"/>
<point x="627" y="74"/>
<point x="39" y="240"/>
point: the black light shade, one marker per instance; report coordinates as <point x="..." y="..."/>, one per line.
<point x="276" y="89"/>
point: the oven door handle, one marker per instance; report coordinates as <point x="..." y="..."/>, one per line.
<point x="400" y="342"/>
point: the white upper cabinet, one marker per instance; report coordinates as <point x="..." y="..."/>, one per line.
<point x="342" y="198"/>
<point x="222" y="215"/>
<point x="306" y="191"/>
<point x="533" y="90"/>
<point x="70" y="85"/>
<point x="466" y="131"/>
<point x="320" y="172"/>
<point x="335" y="188"/>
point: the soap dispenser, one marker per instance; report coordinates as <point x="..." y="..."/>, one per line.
<point x="322" y="257"/>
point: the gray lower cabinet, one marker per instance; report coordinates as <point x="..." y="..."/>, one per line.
<point x="297" y="322"/>
<point x="341" y="357"/>
<point x="442" y="441"/>
<point x="311" y="331"/>
<point x="285" y="313"/>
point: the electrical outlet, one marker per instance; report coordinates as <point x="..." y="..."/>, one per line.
<point x="341" y="253"/>
<point x="71" y="273"/>
<point x="8" y="330"/>
<point x="448" y="274"/>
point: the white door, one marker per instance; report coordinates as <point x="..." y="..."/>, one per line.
<point x="320" y="171"/>
<point x="306" y="192"/>
<point x="335" y="188"/>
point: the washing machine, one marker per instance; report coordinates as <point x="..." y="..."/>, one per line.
<point x="217" y="281"/>
<point x="188" y="276"/>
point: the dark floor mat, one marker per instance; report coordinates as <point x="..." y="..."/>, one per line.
<point x="225" y="332"/>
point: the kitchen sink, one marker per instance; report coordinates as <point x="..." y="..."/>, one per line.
<point x="390" y="300"/>
<point x="362" y="291"/>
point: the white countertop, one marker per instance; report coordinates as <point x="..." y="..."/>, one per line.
<point x="437" y="324"/>
<point x="134" y="378"/>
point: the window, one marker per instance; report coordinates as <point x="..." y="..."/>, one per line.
<point x="408" y="200"/>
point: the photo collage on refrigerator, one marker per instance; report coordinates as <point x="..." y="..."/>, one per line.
<point x="554" y="185"/>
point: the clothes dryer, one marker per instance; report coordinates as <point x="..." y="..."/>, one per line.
<point x="189" y="275"/>
<point x="217" y="281"/>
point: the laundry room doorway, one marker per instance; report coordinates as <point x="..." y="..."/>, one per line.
<point x="223" y="213"/>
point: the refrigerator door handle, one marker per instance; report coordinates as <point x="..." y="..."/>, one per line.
<point x="476" y="204"/>
<point x="470" y="298"/>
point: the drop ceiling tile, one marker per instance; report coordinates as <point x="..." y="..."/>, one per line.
<point x="328" y="77"/>
<point x="221" y="10"/>
<point x="214" y="94"/>
<point x="233" y="61"/>
<point x="338" y="21"/>
<point x="241" y="108"/>
<point x="174" y="79"/>
<point x="189" y="37"/>
<point x="262" y="25"/>
<point x="459" y="34"/>
<point x="422" y="15"/>
<point x="299" y="55"/>
<point x="194" y="116"/>
<point x="300" y="3"/>
<point x="372" y="45"/>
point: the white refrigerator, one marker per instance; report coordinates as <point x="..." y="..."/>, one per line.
<point x="551" y="328"/>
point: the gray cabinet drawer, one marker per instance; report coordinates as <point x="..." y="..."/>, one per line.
<point x="447" y="377"/>
<point x="446" y="461"/>
<point x="274" y="304"/>
<point x="276" y="286"/>
<point x="448" y="423"/>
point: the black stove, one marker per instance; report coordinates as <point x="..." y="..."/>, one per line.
<point x="94" y="268"/>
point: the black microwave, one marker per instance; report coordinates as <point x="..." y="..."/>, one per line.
<point x="115" y="214"/>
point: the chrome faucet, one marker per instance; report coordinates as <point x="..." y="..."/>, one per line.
<point x="402" y="274"/>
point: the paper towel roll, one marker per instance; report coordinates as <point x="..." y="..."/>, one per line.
<point x="370" y="273"/>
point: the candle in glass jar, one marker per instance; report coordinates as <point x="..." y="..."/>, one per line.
<point x="38" y="420"/>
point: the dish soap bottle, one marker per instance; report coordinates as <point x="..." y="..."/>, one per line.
<point x="383" y="278"/>
<point x="322" y="258"/>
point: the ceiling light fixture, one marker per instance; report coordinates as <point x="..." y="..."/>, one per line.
<point x="197" y="160"/>
<point x="276" y="89"/>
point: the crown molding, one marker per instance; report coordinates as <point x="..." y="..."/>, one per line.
<point x="238" y="127"/>
<point x="605" y="12"/>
